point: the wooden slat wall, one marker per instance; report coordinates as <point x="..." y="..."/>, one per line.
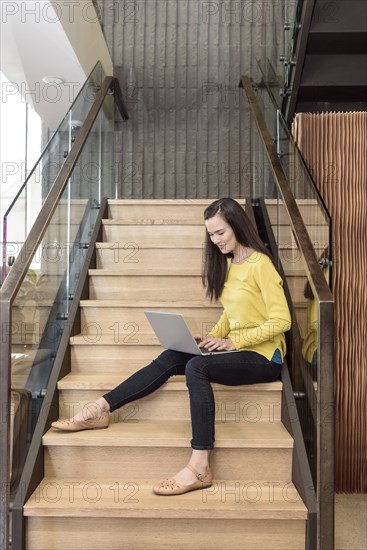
<point x="179" y="63"/>
<point x="334" y="145"/>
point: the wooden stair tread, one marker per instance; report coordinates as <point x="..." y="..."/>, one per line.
<point x="110" y="339"/>
<point x="145" y="246"/>
<point x="279" y="202"/>
<point x="161" y="221"/>
<point x="120" y="273"/>
<point x="177" y="433"/>
<point x="149" y="221"/>
<point x="158" y="270"/>
<point x="166" y="202"/>
<point x="107" y="381"/>
<point x="147" y="304"/>
<point x="227" y="499"/>
<point x="192" y="246"/>
<point x="116" y="273"/>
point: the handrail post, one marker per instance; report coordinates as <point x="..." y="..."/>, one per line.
<point x="325" y="428"/>
<point x="5" y="379"/>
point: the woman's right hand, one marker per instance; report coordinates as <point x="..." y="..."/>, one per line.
<point x="220" y="344"/>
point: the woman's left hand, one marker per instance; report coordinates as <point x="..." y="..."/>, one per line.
<point x="221" y="344"/>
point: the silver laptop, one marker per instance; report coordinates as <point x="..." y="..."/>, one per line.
<point x="173" y="333"/>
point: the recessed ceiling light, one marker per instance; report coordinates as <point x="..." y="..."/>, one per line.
<point x="53" y="80"/>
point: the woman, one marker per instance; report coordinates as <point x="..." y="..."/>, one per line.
<point x="238" y="270"/>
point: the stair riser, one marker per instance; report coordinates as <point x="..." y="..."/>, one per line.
<point x="137" y="236"/>
<point x="154" y="235"/>
<point x="233" y="406"/>
<point x="169" y="213"/>
<point x="135" y="259"/>
<point x="128" y="323"/>
<point x="167" y="288"/>
<point x="184" y="289"/>
<point x="157" y="462"/>
<point x="159" y="534"/>
<point x="115" y="359"/>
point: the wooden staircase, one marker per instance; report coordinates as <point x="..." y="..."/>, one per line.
<point x="97" y="490"/>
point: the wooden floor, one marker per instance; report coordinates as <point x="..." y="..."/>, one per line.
<point x="97" y="490"/>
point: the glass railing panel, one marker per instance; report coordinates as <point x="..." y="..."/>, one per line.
<point x="310" y="341"/>
<point x="314" y="213"/>
<point x="302" y="355"/>
<point x="260" y="185"/>
<point x="302" y="350"/>
<point x="294" y="29"/>
<point x="42" y="304"/>
<point x="20" y="216"/>
<point x="107" y="162"/>
<point x="83" y="102"/>
<point x="277" y="72"/>
<point x="272" y="79"/>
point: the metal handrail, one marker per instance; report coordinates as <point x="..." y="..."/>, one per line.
<point x="322" y="293"/>
<point x="17" y="274"/>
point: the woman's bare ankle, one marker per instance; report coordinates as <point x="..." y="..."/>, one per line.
<point x="199" y="460"/>
<point x="90" y="411"/>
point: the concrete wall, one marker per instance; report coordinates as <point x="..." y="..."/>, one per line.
<point x="179" y="63"/>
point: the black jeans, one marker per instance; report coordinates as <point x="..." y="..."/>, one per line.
<point x="232" y="369"/>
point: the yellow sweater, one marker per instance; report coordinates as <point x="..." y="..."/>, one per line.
<point x="256" y="313"/>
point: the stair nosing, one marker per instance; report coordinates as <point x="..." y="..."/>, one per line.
<point x="121" y="434"/>
<point x="106" y="339"/>
<point x="163" y="202"/>
<point x="189" y="506"/>
<point x="67" y="382"/>
<point x="147" y="304"/>
<point x="145" y="223"/>
<point x="120" y="273"/>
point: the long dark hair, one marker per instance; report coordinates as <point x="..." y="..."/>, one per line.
<point x="215" y="262"/>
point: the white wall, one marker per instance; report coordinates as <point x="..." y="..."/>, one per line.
<point x="81" y="24"/>
<point x="44" y="38"/>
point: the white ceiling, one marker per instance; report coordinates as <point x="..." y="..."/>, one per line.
<point x="34" y="45"/>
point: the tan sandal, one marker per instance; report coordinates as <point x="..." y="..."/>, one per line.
<point x="78" y="425"/>
<point x="170" y="486"/>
